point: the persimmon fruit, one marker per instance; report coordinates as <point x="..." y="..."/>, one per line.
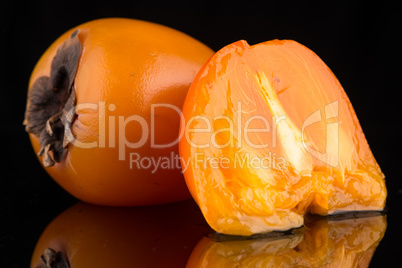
<point x="345" y="242"/>
<point x="104" y="105"/>
<point x="86" y="235"/>
<point x="269" y="135"/>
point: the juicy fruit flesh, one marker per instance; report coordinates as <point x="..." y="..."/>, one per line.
<point x="277" y="138"/>
<point x="344" y="243"/>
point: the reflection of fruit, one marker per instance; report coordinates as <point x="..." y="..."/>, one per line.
<point x="94" y="236"/>
<point x="270" y="135"/>
<point x="112" y="71"/>
<point x="324" y="243"/>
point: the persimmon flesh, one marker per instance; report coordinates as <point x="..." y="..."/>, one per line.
<point x="323" y="243"/>
<point x="271" y="135"/>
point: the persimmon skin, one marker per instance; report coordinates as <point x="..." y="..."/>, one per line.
<point x="125" y="65"/>
<point x="286" y="84"/>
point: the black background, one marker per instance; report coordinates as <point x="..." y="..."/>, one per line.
<point x="359" y="42"/>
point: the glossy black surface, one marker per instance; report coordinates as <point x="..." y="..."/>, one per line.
<point x="360" y="43"/>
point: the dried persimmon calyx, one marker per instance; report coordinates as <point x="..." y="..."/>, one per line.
<point x="53" y="259"/>
<point x="51" y="98"/>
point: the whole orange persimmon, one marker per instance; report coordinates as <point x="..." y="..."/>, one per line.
<point x="94" y="236"/>
<point x="103" y="110"/>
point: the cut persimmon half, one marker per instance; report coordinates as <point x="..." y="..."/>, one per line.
<point x="346" y="242"/>
<point x="268" y="134"/>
